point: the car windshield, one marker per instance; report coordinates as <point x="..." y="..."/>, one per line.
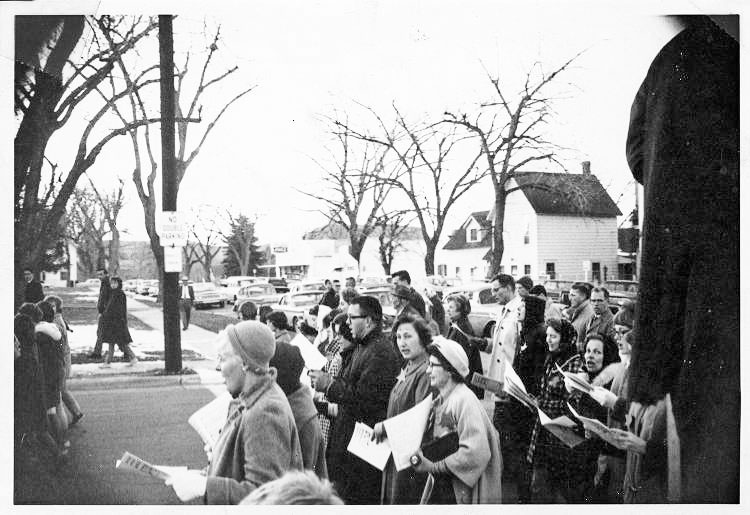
<point x="203" y="286"/>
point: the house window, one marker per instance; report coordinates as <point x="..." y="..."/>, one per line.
<point x="513" y="270"/>
<point x="473" y="235"/>
<point x="526" y="238"/>
<point x="63" y="274"/>
<point x="526" y="269"/>
<point x="549" y="269"/>
<point x="458" y="270"/>
<point x="442" y="270"/>
<point x="596" y="272"/>
<point x="472" y="271"/>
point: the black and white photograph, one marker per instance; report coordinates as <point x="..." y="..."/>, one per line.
<point x="374" y="253"/>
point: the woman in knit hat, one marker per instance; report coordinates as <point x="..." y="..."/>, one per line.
<point x="472" y="474"/>
<point x="259" y="440"/>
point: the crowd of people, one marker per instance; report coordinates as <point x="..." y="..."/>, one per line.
<point x="283" y="421"/>
<point x="44" y="408"/>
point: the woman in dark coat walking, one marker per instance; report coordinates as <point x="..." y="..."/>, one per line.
<point x="460" y="331"/>
<point x="28" y="403"/>
<point x="115" y="324"/>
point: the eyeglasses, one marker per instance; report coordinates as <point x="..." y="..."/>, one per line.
<point x="430" y="364"/>
<point x="352" y="317"/>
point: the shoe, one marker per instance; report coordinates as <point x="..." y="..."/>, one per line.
<point x="133" y="362"/>
<point x="105" y="365"/>
<point x="76" y="418"/>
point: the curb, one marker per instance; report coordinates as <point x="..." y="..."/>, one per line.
<point x="133" y="380"/>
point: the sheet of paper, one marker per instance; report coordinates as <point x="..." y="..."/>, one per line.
<point x="361" y="445"/>
<point x="323" y="310"/>
<point x="209" y="419"/>
<point x="405" y="432"/>
<point x="133" y="463"/>
<point x="486" y="383"/>
<point x="597" y="427"/>
<point x="578" y="383"/>
<point x="314" y="360"/>
<point x="562" y="428"/>
<point x="514" y="386"/>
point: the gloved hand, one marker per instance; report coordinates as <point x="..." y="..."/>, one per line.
<point x="603" y="396"/>
<point x="188" y="485"/>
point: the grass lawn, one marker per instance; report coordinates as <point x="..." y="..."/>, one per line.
<point x="214" y="322"/>
<point x="79" y="358"/>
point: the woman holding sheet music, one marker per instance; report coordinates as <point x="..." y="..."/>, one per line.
<point x="598" y="357"/>
<point x="412" y="386"/>
<point x="472" y="473"/>
<point x="549" y="456"/>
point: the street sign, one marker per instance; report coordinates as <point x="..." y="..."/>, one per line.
<point x="173" y="259"/>
<point x="172" y="229"/>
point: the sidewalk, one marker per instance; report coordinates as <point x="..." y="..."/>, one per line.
<point x="195" y="339"/>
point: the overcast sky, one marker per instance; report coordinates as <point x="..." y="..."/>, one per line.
<point x="309" y="58"/>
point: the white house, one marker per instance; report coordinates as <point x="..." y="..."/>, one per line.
<point x="68" y="274"/>
<point x="561" y="226"/>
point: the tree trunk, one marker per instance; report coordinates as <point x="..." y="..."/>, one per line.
<point x="207" y="267"/>
<point x="429" y="257"/>
<point x="498" y="244"/>
<point x="114" y="251"/>
<point x="355" y="251"/>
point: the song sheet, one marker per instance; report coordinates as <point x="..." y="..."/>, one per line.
<point x="209" y="419"/>
<point x="562" y="427"/>
<point x="361" y="445"/>
<point x="405" y="432"/>
<point x="314" y="360"/>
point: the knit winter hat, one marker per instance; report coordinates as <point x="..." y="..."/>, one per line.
<point x="289" y="363"/>
<point x="254" y="343"/>
<point x="454" y="353"/>
<point x="534" y="309"/>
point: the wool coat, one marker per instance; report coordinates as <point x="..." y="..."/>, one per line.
<point x="683" y="146"/>
<point x="477" y="466"/>
<point x="29" y="402"/>
<point x="411" y="388"/>
<point x="115" y="319"/>
<point x="361" y="391"/>
<point x="308" y="429"/>
<point x="258" y="443"/>
<point x="580" y="318"/>
<point x="49" y="342"/>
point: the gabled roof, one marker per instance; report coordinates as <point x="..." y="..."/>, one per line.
<point x="334" y="231"/>
<point x="566" y="194"/>
<point x="457" y="240"/>
<point x="627" y="239"/>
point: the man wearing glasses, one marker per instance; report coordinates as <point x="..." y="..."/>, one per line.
<point x="361" y="390"/>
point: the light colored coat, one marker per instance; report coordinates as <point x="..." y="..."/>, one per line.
<point x="257" y="444"/>
<point x="504" y="340"/>
<point x="477" y="466"/>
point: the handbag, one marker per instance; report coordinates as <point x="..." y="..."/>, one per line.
<point x="440" y="448"/>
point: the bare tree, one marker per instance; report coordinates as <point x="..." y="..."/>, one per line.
<point x="431" y="182"/>
<point x="510" y="135"/>
<point x="184" y="117"/>
<point x="354" y="187"/>
<point x="390" y="231"/>
<point x="205" y="229"/>
<point x="110" y="205"/>
<point x="49" y="103"/>
<point x="86" y="226"/>
<point x="189" y="257"/>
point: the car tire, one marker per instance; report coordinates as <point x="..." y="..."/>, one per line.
<point x="221" y="304"/>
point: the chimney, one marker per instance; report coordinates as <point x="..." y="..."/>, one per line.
<point x="586" y="166"/>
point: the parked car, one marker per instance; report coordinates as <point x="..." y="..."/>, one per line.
<point x="307" y="285"/>
<point x="384" y="295"/>
<point x="129" y="285"/>
<point x="144" y="286"/>
<point x="440" y="282"/>
<point x="259" y="293"/>
<point x="279" y="283"/>
<point x="297" y="304"/>
<point x="153" y="291"/>
<point x="207" y="294"/>
<point x="233" y="283"/>
<point x="92" y="283"/>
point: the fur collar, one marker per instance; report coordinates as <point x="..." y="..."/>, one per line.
<point x="607" y="374"/>
<point x="49" y="329"/>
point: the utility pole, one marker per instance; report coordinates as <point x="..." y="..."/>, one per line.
<point x="171" y="311"/>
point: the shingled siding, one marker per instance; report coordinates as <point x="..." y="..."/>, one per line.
<point x="567" y="241"/>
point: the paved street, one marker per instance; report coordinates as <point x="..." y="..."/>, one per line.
<point x="148" y="422"/>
